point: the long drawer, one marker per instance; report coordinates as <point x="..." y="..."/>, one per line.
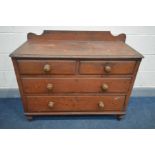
<point x="107" y="67"/>
<point x="46" y="67"/>
<point x="75" y="103"/>
<point x="75" y="85"/>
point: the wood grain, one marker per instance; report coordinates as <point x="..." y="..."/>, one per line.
<point x="72" y="72"/>
<point x="75" y="49"/>
<point x="37" y="67"/>
<point x="77" y="35"/>
<point x="75" y="44"/>
<point x="98" y="67"/>
<point x="75" y="103"/>
<point x="75" y="85"/>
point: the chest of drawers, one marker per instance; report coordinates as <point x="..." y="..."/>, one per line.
<point x="75" y="73"/>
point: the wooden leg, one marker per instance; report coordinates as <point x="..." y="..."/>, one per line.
<point x="29" y="117"/>
<point x="119" y="117"/>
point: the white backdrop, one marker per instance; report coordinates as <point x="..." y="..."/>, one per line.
<point x="140" y="38"/>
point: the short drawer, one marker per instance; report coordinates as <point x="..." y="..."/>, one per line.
<point x="75" y="103"/>
<point x="75" y="85"/>
<point x="46" y="67"/>
<point x="107" y="67"/>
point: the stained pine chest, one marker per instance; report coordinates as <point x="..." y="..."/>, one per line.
<point x="75" y="73"/>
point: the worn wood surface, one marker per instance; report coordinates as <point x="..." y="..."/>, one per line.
<point x="98" y="67"/>
<point x="68" y="73"/>
<point x="18" y="77"/>
<point x="69" y="67"/>
<point x="72" y="44"/>
<point x="37" y="67"/>
<point x="75" y="85"/>
<point x="75" y="49"/>
<point x="75" y="103"/>
<point x="77" y="35"/>
<point x="71" y="113"/>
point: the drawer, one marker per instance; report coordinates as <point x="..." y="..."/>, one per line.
<point x="75" y="103"/>
<point x="75" y="85"/>
<point x="46" y="67"/>
<point x="107" y="67"/>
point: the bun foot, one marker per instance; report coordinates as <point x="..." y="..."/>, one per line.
<point x="29" y="118"/>
<point x="119" y="117"/>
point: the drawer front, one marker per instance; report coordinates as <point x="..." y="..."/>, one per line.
<point x="75" y="103"/>
<point x="75" y="85"/>
<point x="46" y="67"/>
<point x="106" y="67"/>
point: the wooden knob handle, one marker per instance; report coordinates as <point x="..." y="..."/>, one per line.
<point x="49" y="86"/>
<point x="107" y="69"/>
<point x="105" y="87"/>
<point x="47" y="68"/>
<point x="101" y="105"/>
<point x="51" y="104"/>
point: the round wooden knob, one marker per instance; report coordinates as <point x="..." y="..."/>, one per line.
<point x="49" y="86"/>
<point x="107" y="69"/>
<point x="47" y="68"/>
<point x="101" y="105"/>
<point x="51" y="104"/>
<point x="105" y="87"/>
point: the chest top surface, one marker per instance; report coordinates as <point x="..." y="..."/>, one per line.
<point x="75" y="44"/>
